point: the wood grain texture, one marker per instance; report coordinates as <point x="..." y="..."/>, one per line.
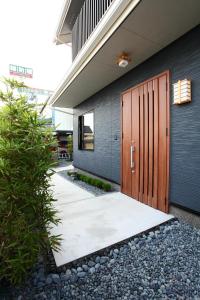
<point x="135" y="142"/>
<point x="146" y="144"/>
<point x="155" y="141"/>
<point x="126" y="144"/>
<point x="150" y="125"/>
<point x="162" y="169"/>
<point x="148" y="118"/>
<point x="168" y="141"/>
<point x="141" y="149"/>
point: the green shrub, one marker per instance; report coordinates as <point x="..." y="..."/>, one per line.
<point x="90" y="180"/>
<point x="84" y="178"/>
<point x="81" y="177"/>
<point x="100" y="184"/>
<point x="94" y="182"/>
<point x="70" y="145"/>
<point x="55" y="161"/>
<point x="26" y="202"/>
<point x="87" y="180"/>
<point x="107" y="187"/>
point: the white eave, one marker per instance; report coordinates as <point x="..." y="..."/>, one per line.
<point x="70" y="10"/>
<point x="140" y="27"/>
<point x="116" y="14"/>
<point x="58" y="38"/>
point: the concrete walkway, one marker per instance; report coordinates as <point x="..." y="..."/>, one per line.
<point x="92" y="223"/>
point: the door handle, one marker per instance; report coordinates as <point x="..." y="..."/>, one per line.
<point x="132" y="162"/>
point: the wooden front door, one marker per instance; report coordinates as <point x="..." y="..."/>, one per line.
<point x="145" y="142"/>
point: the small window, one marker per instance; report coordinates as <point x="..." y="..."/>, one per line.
<point x="86" y="131"/>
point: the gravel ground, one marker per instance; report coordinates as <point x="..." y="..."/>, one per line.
<point x="92" y="189"/>
<point x="161" y="264"/>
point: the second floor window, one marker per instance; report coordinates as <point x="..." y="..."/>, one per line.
<point x="86" y="131"/>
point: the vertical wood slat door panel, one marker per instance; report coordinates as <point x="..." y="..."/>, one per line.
<point x="167" y="142"/>
<point x="135" y="142"/>
<point x="162" y="170"/>
<point x="126" y="144"/>
<point x="141" y="145"/>
<point x="155" y="143"/>
<point x="145" y="120"/>
<point x="146" y="144"/>
<point x="150" y="125"/>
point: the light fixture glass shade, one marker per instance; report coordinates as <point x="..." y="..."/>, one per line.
<point x="182" y="91"/>
<point x="123" y="63"/>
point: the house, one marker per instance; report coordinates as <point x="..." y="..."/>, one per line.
<point x="64" y="138"/>
<point x="61" y="120"/>
<point x="135" y="81"/>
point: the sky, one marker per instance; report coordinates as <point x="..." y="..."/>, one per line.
<point x="27" y="31"/>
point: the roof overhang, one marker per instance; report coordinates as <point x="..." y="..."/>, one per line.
<point x="141" y="28"/>
<point x="70" y="10"/>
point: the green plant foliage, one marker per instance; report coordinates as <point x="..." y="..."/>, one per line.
<point x="70" y="145"/>
<point x="100" y="184"/>
<point x="26" y="202"/>
<point x="93" y="181"/>
<point x="89" y="180"/>
<point x="107" y="187"/>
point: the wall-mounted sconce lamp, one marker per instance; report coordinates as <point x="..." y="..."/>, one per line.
<point x="182" y="91"/>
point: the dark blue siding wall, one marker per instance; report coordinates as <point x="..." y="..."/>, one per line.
<point x="105" y="159"/>
<point x="182" y="58"/>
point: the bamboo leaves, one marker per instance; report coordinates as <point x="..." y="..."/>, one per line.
<point x="26" y="202"/>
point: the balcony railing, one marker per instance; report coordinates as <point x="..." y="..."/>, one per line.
<point x="90" y="14"/>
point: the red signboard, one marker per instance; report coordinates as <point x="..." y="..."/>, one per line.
<point x="21" y="71"/>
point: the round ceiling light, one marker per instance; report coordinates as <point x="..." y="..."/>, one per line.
<point x="123" y="60"/>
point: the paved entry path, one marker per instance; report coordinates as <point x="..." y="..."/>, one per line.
<point x="92" y="223"/>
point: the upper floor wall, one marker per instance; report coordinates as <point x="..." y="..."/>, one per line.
<point x="90" y="15"/>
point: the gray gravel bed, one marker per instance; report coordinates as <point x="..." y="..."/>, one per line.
<point x="90" y="188"/>
<point x="161" y="264"/>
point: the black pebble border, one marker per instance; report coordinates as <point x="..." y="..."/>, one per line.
<point x="163" y="263"/>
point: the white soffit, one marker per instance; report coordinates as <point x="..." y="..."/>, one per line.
<point x="70" y="10"/>
<point x="151" y="26"/>
<point x="61" y="23"/>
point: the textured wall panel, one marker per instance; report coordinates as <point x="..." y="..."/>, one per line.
<point x="182" y="58"/>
